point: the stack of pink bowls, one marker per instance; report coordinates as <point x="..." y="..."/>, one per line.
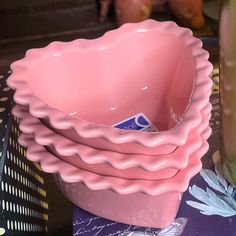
<point x="70" y="95"/>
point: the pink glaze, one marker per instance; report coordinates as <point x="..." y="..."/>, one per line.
<point x="71" y="174"/>
<point x="112" y="163"/>
<point x="137" y="209"/>
<point x="81" y="88"/>
<point x="115" y="198"/>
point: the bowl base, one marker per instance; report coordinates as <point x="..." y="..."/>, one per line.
<point x="137" y="209"/>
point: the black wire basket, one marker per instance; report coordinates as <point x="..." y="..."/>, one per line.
<point x="24" y="208"/>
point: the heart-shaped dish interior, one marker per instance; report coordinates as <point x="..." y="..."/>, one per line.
<point x="109" y="79"/>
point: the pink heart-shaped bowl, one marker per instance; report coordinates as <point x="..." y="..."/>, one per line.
<point x="164" y="195"/>
<point x="82" y="88"/>
<point x="111" y="163"/>
<point x="71" y="174"/>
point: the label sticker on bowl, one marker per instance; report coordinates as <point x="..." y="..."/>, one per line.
<point x="137" y="122"/>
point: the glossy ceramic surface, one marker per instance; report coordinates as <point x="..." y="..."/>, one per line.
<point x="135" y="209"/>
<point x="112" y="163"/>
<point x="51" y="164"/>
<point x="81" y="88"/>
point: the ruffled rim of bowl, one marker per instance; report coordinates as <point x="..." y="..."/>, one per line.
<point x="71" y="174"/>
<point x="175" y="136"/>
<point x="46" y="137"/>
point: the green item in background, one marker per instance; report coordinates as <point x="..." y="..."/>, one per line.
<point x="228" y="87"/>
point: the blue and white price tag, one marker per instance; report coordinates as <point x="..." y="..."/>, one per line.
<point x="137" y="122"/>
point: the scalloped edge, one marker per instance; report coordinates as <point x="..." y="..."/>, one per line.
<point x="71" y="174"/>
<point x="64" y="147"/>
<point x="176" y="136"/>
